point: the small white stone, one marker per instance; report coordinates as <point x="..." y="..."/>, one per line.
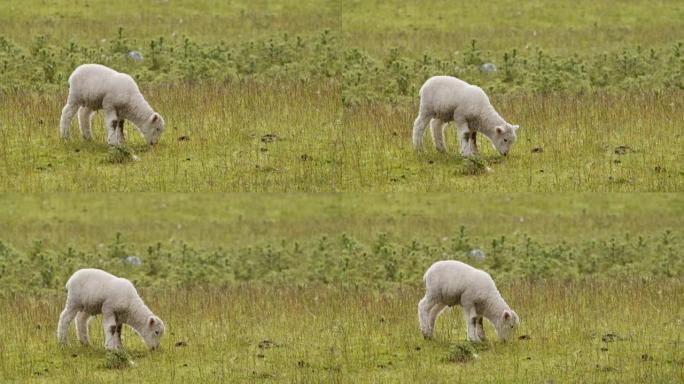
<point x="133" y="260"/>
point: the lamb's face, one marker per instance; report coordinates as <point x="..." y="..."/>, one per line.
<point x="504" y="137"/>
<point x="154" y="330"/>
<point x="153" y="129"/>
<point x="507" y="325"/>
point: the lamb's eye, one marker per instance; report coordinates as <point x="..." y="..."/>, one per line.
<point x="505" y="140"/>
<point x="157" y="332"/>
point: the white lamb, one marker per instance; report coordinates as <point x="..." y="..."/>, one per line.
<point x="93" y="291"/>
<point x="444" y="99"/>
<point x="93" y="87"/>
<point x="451" y="283"/>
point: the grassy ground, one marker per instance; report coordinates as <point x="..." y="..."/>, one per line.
<point x="234" y="138"/>
<point x="340" y="94"/>
<point x="559" y="26"/>
<point x="208" y="20"/>
<point x="211" y="220"/>
<point x="270" y="249"/>
<point x="317" y="334"/>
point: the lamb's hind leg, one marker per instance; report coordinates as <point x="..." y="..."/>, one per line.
<point x="85" y="121"/>
<point x="437" y="129"/>
<point x="434" y="313"/>
<point x="427" y="323"/>
<point x="419" y="129"/>
<point x="65" y="319"/>
<point x="82" y="327"/>
<point x="65" y="120"/>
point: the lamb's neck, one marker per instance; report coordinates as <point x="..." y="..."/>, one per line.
<point x="138" y="111"/>
<point x="489" y="120"/>
<point x="138" y="313"/>
<point x="495" y="307"/>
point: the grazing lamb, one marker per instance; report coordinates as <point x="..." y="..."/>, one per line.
<point x="451" y="283"/>
<point x="444" y="99"/>
<point x="93" y="291"/>
<point x="93" y="87"/>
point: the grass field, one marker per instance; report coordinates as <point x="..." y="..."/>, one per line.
<point x="340" y="308"/>
<point x="325" y="334"/>
<point x="328" y="105"/>
<point x="281" y="222"/>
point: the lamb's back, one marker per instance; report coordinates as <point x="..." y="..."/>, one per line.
<point x="89" y="84"/>
<point x="450" y="279"/>
<point x="92" y="287"/>
<point x="443" y="95"/>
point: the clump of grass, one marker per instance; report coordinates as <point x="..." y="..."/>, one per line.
<point x="118" y="359"/>
<point x="120" y="154"/>
<point x="475" y="165"/>
<point x="462" y="352"/>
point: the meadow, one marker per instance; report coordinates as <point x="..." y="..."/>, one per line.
<point x="272" y="103"/>
<point x="311" y="288"/>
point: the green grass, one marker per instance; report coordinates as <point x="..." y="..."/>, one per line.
<point x="559" y="26"/>
<point x="224" y="151"/>
<point x="326" y="334"/>
<point x="337" y="82"/>
<point x="228" y="272"/>
<point x="208" y="20"/>
<point x="84" y="221"/>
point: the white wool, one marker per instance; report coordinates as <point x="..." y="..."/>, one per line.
<point x="91" y="292"/>
<point x="93" y="87"/>
<point x="451" y="283"/>
<point x="444" y="99"/>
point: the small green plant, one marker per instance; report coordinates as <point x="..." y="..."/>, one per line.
<point x="462" y="352"/>
<point x="118" y="359"/>
<point x="121" y="154"/>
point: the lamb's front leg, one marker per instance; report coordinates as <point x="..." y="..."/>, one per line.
<point x="112" y="341"/>
<point x="470" y="317"/>
<point x="120" y="131"/>
<point x="112" y="124"/>
<point x="463" y="132"/>
<point x="473" y="143"/>
<point x="479" y="329"/>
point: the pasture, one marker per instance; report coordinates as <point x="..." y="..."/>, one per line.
<point x="274" y="103"/>
<point x="322" y="288"/>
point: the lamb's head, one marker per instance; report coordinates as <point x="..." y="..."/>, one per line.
<point x="152" y="129"/>
<point x="507" y="324"/>
<point x="504" y="137"/>
<point x="153" y="332"/>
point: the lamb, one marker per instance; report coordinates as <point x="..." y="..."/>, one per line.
<point x="444" y="99"/>
<point x="451" y="283"/>
<point x="93" y="291"/>
<point x="93" y="87"/>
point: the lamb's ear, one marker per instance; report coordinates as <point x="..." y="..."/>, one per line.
<point x="151" y="321"/>
<point x="515" y="127"/>
<point x="155" y="117"/>
<point x="499" y="130"/>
